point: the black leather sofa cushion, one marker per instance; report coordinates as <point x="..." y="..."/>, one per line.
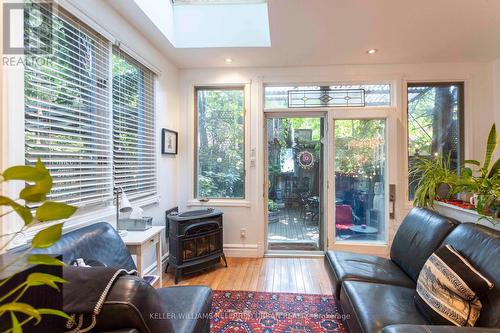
<point x="361" y="267"/>
<point x="481" y="246"/>
<point x="370" y="307"/>
<point x="436" y="329"/>
<point x="98" y="241"/>
<point x="189" y="306"/>
<point x="419" y="235"/>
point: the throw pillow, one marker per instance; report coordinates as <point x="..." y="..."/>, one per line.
<point x="449" y="289"/>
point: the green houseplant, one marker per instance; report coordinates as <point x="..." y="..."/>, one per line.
<point x="435" y="180"/>
<point x="38" y="184"/>
<point x="481" y="180"/>
<point x="484" y="180"/>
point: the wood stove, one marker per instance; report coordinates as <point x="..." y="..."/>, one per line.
<point x="195" y="240"/>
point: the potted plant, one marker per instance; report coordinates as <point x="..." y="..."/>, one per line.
<point x="483" y="181"/>
<point x="273" y="214"/>
<point x="38" y="184"/>
<point x="435" y="180"/>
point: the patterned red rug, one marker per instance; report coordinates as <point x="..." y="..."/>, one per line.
<point x="259" y="312"/>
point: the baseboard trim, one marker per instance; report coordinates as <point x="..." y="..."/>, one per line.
<point x="243" y="250"/>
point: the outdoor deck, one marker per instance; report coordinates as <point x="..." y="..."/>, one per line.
<point x="293" y="229"/>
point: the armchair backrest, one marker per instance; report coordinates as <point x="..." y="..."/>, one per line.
<point x="99" y="241"/>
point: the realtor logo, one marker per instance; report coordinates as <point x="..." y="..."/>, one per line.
<point x="27" y="28"/>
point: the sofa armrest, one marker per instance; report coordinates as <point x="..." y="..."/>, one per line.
<point x="132" y="304"/>
<point x="435" y="329"/>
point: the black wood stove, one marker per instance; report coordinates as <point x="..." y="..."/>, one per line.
<point x="195" y="240"/>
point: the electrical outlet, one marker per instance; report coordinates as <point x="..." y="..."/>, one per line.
<point x="243" y="232"/>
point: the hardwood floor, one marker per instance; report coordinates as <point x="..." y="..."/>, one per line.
<point x="293" y="275"/>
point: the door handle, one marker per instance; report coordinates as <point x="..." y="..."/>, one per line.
<point x="392" y="200"/>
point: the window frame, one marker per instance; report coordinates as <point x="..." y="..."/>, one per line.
<point x="462" y="84"/>
<point x="221" y="200"/>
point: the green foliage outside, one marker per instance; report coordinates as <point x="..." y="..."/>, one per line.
<point x="38" y="184"/>
<point x="220" y="143"/>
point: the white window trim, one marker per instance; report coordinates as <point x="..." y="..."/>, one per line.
<point x="219" y="202"/>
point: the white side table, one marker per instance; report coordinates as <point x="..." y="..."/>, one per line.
<point x="138" y="242"/>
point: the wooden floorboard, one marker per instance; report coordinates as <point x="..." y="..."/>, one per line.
<point x="293" y="275"/>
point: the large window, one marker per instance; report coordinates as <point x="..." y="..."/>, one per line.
<point x="67" y="112"/>
<point x="435" y="124"/>
<point x="220" y="143"/>
<point x="134" y="150"/>
<point x="76" y="128"/>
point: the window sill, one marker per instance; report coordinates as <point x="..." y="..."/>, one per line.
<point x="219" y="203"/>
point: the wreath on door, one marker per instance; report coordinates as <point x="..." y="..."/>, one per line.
<point x="306" y="160"/>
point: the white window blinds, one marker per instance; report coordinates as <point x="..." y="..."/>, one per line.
<point x="67" y="112"/>
<point x="134" y="156"/>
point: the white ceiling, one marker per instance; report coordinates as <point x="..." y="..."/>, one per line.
<point x="330" y="32"/>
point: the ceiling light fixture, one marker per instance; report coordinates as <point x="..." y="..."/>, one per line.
<point x="372" y="51"/>
<point x="229" y="60"/>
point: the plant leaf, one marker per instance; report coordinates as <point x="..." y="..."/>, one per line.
<point x="16" y="327"/>
<point x="22" y="211"/>
<point x="474" y="162"/>
<point x="39" y="279"/>
<point x="38" y="192"/>
<point x="23" y="308"/>
<point x="24" y="172"/>
<point x="47" y="237"/>
<point x="52" y="211"/>
<point x="495" y="168"/>
<point x="491" y="145"/>
<point x="44" y="259"/>
<point x="53" y="312"/>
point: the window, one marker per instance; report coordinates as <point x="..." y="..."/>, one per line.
<point x="67" y="112"/>
<point x="220" y="143"/>
<point x="134" y="152"/>
<point x="89" y="145"/>
<point x="276" y="97"/>
<point x="435" y="124"/>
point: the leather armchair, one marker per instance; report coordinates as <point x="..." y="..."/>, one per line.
<point x="132" y="305"/>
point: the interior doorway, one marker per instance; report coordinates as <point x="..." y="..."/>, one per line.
<point x="295" y="183"/>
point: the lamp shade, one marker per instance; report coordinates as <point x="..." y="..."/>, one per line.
<point x="125" y="205"/>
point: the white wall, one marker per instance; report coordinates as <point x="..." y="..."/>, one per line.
<point x="479" y="115"/>
<point x="107" y="21"/>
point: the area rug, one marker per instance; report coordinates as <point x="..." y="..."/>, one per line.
<point x="262" y="312"/>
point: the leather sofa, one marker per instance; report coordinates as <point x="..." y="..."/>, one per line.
<point x="376" y="294"/>
<point x="132" y="305"/>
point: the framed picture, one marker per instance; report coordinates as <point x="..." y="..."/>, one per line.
<point x="168" y="142"/>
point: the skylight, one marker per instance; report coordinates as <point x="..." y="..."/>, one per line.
<point x="210" y="23"/>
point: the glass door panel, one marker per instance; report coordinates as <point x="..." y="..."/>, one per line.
<point x="295" y="183"/>
<point x="360" y="179"/>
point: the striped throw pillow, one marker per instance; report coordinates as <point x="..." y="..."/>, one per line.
<point x="449" y="289"/>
